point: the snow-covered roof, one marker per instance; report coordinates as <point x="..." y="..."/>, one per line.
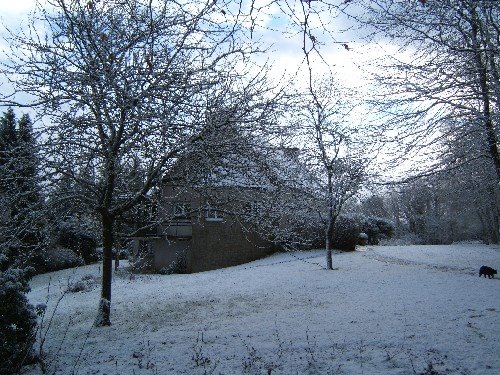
<point x="248" y="165"/>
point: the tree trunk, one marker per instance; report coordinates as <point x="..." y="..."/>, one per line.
<point x="329" y="260"/>
<point x="104" y="311"/>
<point x="482" y="71"/>
<point x="329" y="228"/>
<point x="329" y="235"/>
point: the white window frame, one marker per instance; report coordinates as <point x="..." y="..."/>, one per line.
<point x="181" y="210"/>
<point x="212" y="213"/>
<point x="251" y="208"/>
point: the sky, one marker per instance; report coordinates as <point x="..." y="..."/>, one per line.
<point x="276" y="30"/>
<point x="15" y="7"/>
<point x="285" y="53"/>
<point x="14" y="12"/>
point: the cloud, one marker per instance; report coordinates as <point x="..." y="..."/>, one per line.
<point x="16" y="7"/>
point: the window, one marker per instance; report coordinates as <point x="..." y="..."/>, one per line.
<point x="145" y="248"/>
<point x="182" y="210"/>
<point x="251" y="208"/>
<point x="212" y="213"/>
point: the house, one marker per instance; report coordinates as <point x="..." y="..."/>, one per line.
<point x="197" y="235"/>
<point x="205" y="217"/>
<point x="219" y="206"/>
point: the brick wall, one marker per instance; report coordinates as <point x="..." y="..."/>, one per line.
<point x="224" y="244"/>
<point x="214" y="244"/>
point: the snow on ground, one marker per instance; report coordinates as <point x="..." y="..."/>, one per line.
<point x="385" y="310"/>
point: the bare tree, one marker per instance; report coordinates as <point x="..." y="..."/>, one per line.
<point x="332" y="150"/>
<point x="469" y="183"/>
<point x="123" y="82"/>
<point x="445" y="67"/>
<point x="461" y="202"/>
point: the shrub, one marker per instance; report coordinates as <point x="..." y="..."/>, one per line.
<point x="179" y="265"/>
<point x="309" y="235"/>
<point x="57" y="259"/>
<point x="363" y="238"/>
<point x="17" y="320"/>
<point x="85" y="284"/>
<point x="346" y="234"/>
<point x="377" y="228"/>
<point x="80" y="241"/>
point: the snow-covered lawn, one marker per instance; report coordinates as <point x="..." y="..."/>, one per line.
<point x="385" y="310"/>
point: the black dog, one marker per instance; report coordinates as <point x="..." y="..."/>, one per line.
<point x="487" y="271"/>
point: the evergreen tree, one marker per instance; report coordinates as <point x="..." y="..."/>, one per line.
<point x="17" y="320"/>
<point x="19" y="236"/>
<point x="8" y="129"/>
<point x="26" y="208"/>
<point x="8" y="142"/>
<point x="22" y="227"/>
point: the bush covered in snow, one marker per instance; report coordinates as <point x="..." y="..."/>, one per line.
<point x="346" y="233"/>
<point x="80" y="241"/>
<point x="377" y="228"/>
<point x="178" y="266"/>
<point x="84" y="284"/>
<point x="354" y="230"/>
<point x="17" y="320"/>
<point x="58" y="258"/>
